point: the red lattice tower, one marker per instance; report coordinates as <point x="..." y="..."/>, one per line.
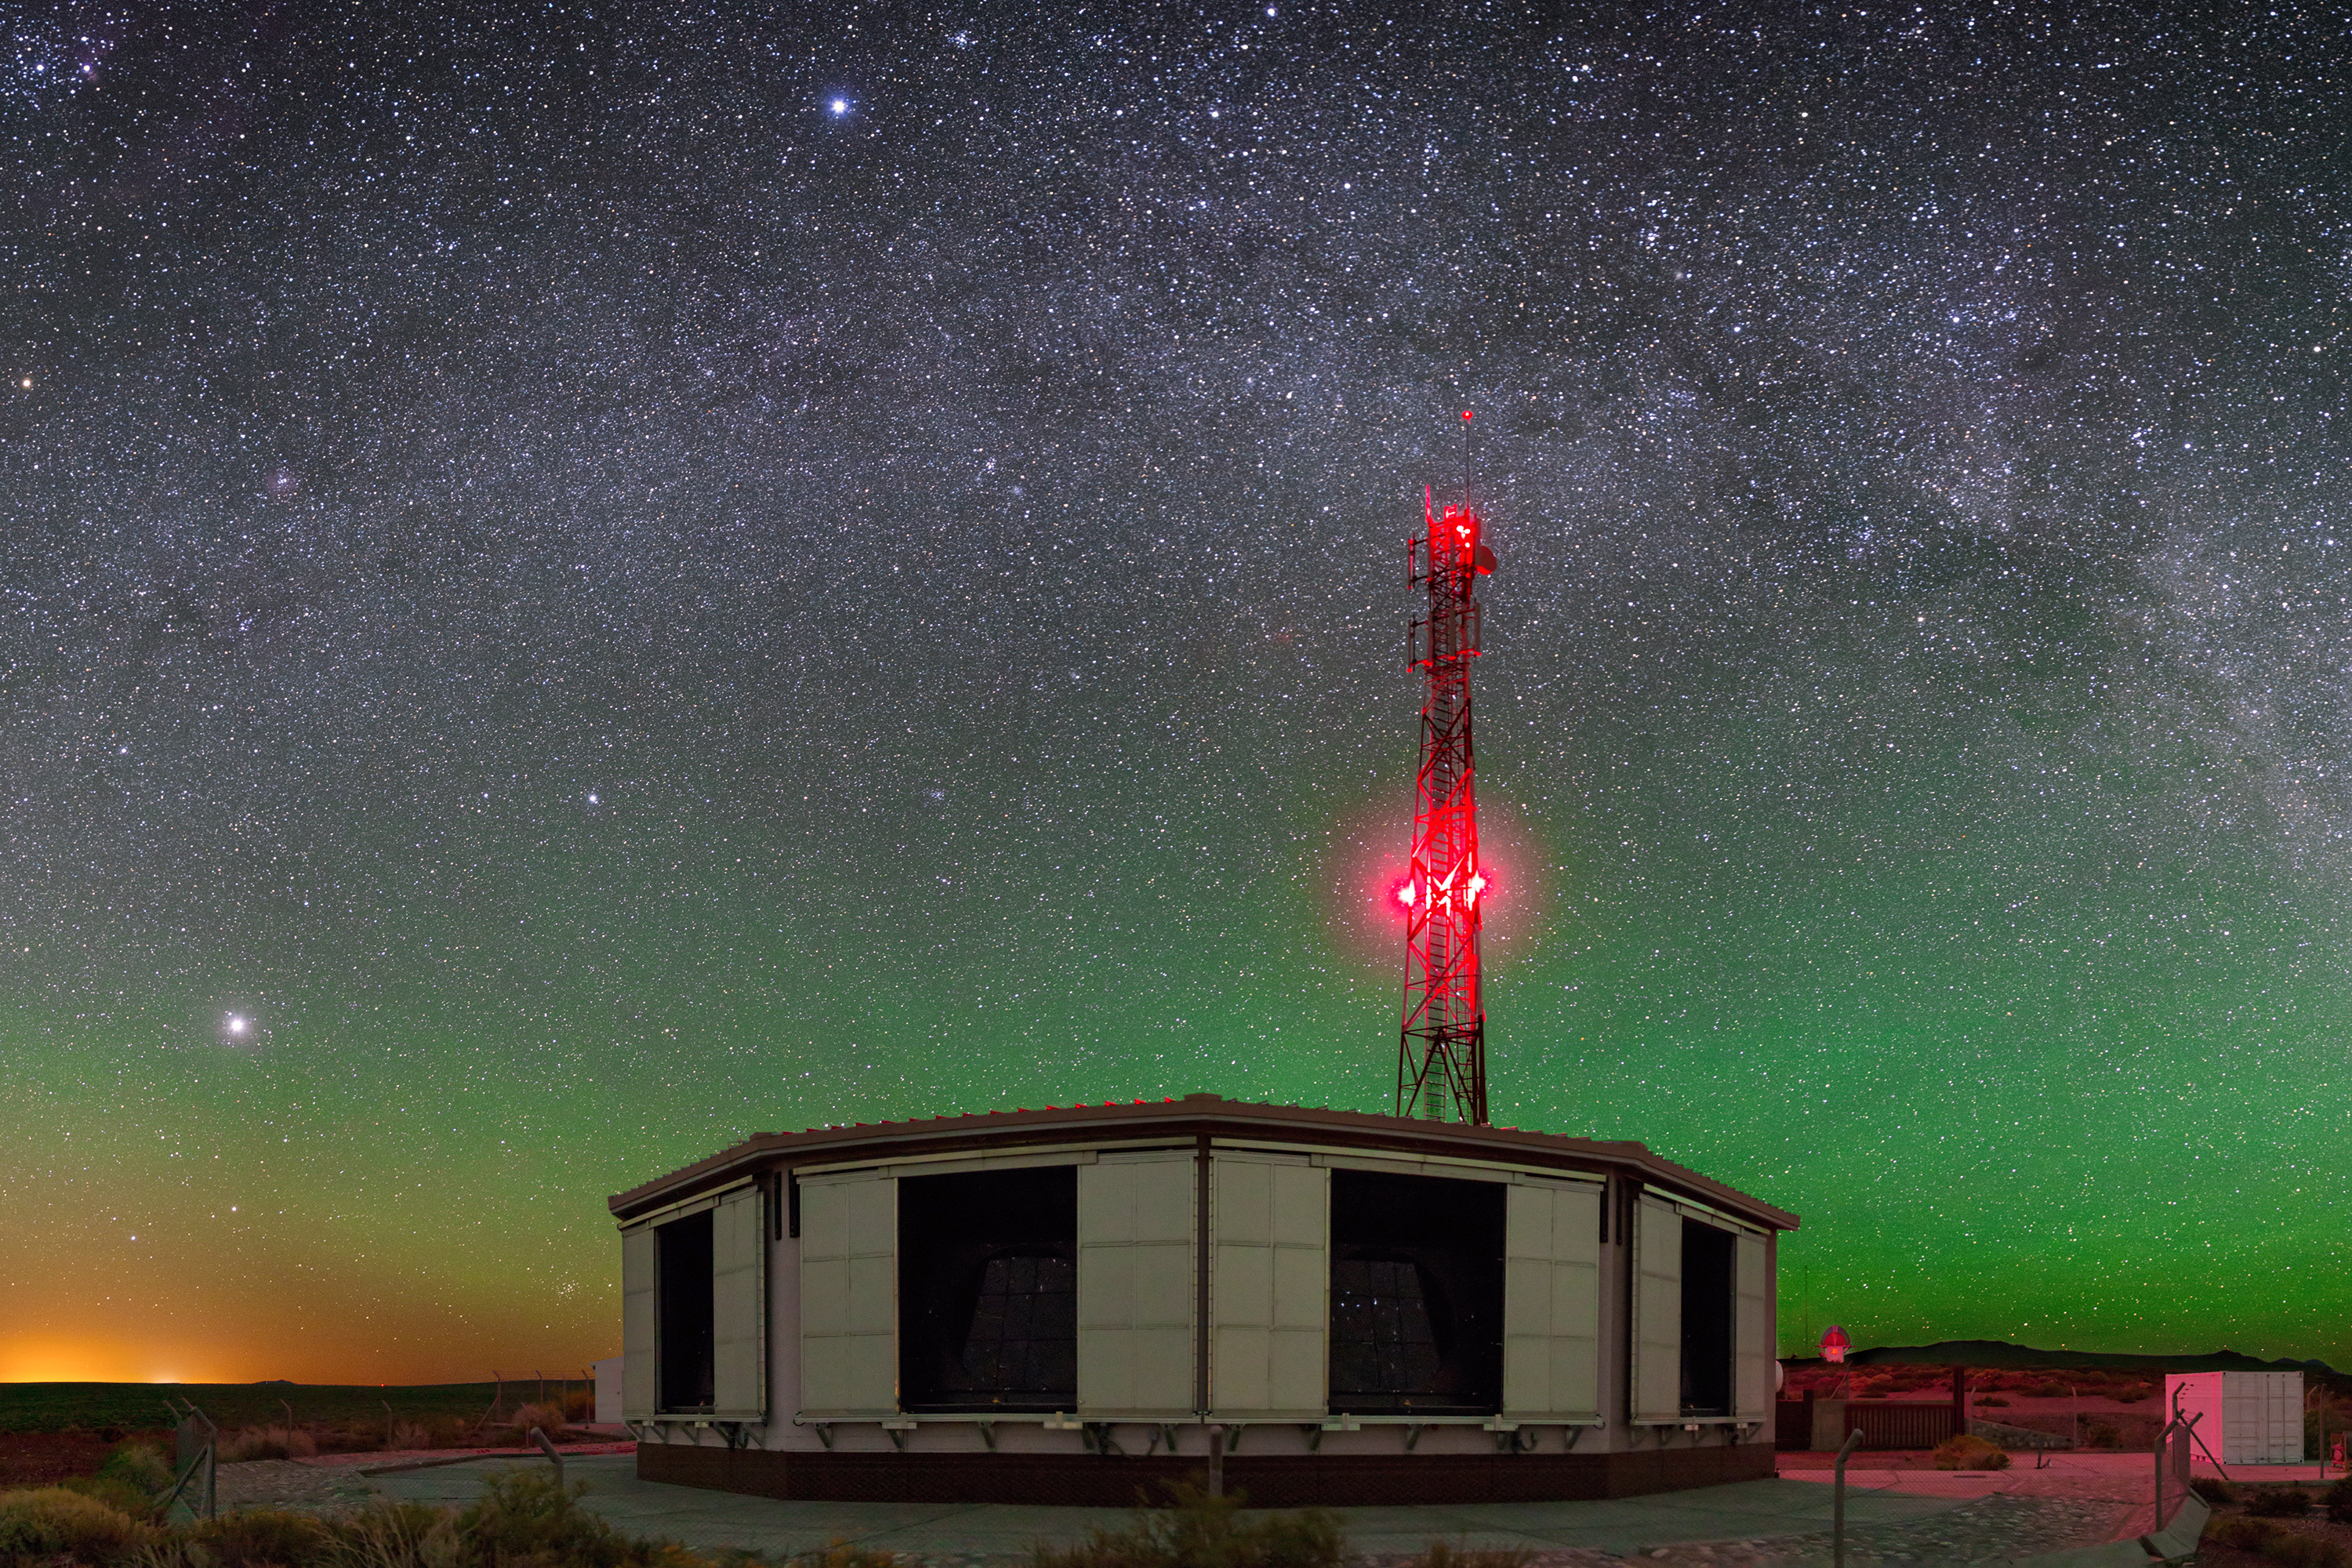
<point x="1442" y="1053"/>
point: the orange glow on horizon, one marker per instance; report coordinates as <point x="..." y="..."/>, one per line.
<point x="58" y="1359"/>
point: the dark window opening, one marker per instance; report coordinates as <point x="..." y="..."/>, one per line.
<point x="1708" y="1255"/>
<point x="988" y="1290"/>
<point x="682" y="1249"/>
<point x="1416" y="1294"/>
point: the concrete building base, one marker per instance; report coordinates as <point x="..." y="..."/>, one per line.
<point x="1270" y="1480"/>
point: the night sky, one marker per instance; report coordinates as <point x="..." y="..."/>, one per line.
<point x="584" y="582"/>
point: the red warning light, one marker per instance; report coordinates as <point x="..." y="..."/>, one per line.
<point x="1465" y="414"/>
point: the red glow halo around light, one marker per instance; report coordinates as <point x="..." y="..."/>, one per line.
<point x="1364" y="873"/>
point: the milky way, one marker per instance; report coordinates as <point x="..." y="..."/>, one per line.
<point x="583" y="583"/>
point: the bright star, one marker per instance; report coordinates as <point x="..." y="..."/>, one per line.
<point x="841" y="106"/>
<point x="236" y="1025"/>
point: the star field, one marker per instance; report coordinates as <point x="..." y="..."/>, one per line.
<point x="581" y="582"/>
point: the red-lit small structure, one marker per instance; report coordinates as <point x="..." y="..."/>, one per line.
<point x="1442" y="1051"/>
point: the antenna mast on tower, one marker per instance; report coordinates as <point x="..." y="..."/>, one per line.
<point x="1442" y="1053"/>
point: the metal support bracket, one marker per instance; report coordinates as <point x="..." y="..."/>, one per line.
<point x="987" y="1434"/>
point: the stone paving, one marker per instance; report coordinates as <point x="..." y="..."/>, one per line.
<point x="290" y="1484"/>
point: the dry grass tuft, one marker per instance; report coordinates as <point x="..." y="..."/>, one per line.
<point x="1448" y="1554"/>
<point x="547" y="1419"/>
<point x="268" y="1443"/>
<point x="848" y="1554"/>
<point x="1966" y="1451"/>
<point x="1204" y="1532"/>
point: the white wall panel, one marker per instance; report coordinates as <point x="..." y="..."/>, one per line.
<point x="640" y="1322"/>
<point x="1551" y="1301"/>
<point x="1753" y="1331"/>
<point x="849" y="1296"/>
<point x="1657" y="1372"/>
<point x="1270" y="1287"/>
<point x="1137" y="1293"/>
<point x="739" y="1274"/>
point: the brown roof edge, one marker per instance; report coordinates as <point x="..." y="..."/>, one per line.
<point x="1193" y="1114"/>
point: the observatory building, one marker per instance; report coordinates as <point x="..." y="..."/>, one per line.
<point x="1311" y="1306"/>
<point x="1067" y="1305"/>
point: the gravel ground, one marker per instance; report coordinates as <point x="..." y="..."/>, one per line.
<point x="1990" y="1530"/>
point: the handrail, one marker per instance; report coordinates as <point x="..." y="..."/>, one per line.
<point x="1837" y="1517"/>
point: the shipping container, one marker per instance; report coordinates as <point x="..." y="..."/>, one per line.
<point x="2243" y="1418"/>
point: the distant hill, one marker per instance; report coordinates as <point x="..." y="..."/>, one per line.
<point x="1998" y="1352"/>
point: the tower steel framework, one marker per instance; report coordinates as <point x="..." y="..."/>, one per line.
<point x="1441" y="1052"/>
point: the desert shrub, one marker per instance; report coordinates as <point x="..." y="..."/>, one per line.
<point x="2045" y="1390"/>
<point x="2100" y="1435"/>
<point x="849" y="1554"/>
<point x="2279" y="1502"/>
<point x="259" y="1538"/>
<point x="524" y="1518"/>
<point x="125" y="1498"/>
<point x="268" y="1443"/>
<point x="2267" y="1540"/>
<point x="408" y="1434"/>
<point x="1966" y="1451"/>
<point x="579" y="1404"/>
<point x="51" y="1523"/>
<point x="2246" y="1534"/>
<point x="2308" y="1551"/>
<point x="143" y="1465"/>
<point x="2215" y="1490"/>
<point x="2338" y="1498"/>
<point x="1204" y="1531"/>
<point x="547" y="1419"/>
<point x="1994" y="1400"/>
<point x="396" y="1535"/>
<point x="1446" y="1555"/>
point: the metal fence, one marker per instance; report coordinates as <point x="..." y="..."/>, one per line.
<point x="1906" y="1423"/>
<point x="196" y="1444"/>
